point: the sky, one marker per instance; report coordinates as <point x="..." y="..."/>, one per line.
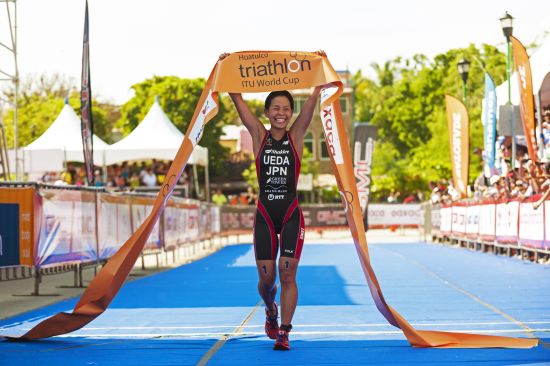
<point x="131" y="40"/>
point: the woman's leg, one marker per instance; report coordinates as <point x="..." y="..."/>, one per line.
<point x="266" y="284"/>
<point x="289" y="290"/>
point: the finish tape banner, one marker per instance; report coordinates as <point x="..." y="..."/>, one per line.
<point x="263" y="71"/>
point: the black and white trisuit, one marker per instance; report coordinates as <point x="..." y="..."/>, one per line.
<point x="278" y="168"/>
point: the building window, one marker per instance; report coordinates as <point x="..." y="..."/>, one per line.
<point x="298" y="104"/>
<point x="309" y="144"/>
<point x="324" y="150"/>
<point x="344" y="105"/>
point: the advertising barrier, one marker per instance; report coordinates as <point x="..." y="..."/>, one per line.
<point x="45" y="226"/>
<point x="504" y="222"/>
<point x="531" y="224"/>
<point x="472" y="221"/>
<point x="487" y="221"/>
<point x="507" y="222"/>
<point x="446" y="219"/>
<point x="458" y="219"/>
<point x="68" y="228"/>
<point x="394" y="215"/>
<point x="115" y="223"/>
<point x="327" y="215"/>
<point x="20" y="210"/>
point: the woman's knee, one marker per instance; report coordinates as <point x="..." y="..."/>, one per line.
<point x="266" y="282"/>
<point x="287" y="272"/>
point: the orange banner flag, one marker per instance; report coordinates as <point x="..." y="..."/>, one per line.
<point x="525" y="82"/>
<point x="261" y="71"/>
<point x="459" y="143"/>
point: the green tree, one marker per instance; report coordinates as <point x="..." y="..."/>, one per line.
<point x="406" y="102"/>
<point x="178" y="98"/>
<point x="40" y="102"/>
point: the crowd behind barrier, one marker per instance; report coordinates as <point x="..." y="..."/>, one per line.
<point x="513" y="227"/>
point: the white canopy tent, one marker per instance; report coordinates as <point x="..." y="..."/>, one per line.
<point x="155" y="137"/>
<point x="61" y="142"/>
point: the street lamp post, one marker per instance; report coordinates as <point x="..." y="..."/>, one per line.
<point x="463" y="70"/>
<point x="506" y="22"/>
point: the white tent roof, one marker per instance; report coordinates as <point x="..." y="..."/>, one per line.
<point x="155" y="137"/>
<point x="540" y="66"/>
<point x="61" y="141"/>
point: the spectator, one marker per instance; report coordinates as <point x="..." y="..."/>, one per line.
<point x="98" y="179"/>
<point x="134" y="180"/>
<point x="149" y="179"/>
<point x="410" y="199"/>
<point x="250" y="196"/>
<point x="219" y="198"/>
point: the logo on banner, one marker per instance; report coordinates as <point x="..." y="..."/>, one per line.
<point x="198" y="128"/>
<point x="362" y="170"/>
<point x="347" y="198"/>
<point x="457" y="149"/>
<point x="331" y="134"/>
<point x="276" y="72"/>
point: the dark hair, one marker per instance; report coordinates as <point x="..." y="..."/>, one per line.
<point x="279" y="93"/>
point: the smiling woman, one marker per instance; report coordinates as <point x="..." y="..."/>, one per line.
<point x="279" y="220"/>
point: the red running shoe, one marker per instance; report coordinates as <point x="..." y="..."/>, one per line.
<point x="271" y="324"/>
<point x="282" y="344"/>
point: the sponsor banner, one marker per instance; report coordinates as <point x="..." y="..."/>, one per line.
<point x="487" y="221"/>
<point x="19" y="225"/>
<point x="458" y="217"/>
<point x="215" y="212"/>
<point x="507" y="222"/>
<point x="87" y="124"/>
<point x="363" y="150"/>
<point x="237" y="217"/>
<point x="242" y="217"/>
<point x="115" y="223"/>
<point x="174" y="223"/>
<point x="193" y="220"/>
<point x="531" y="224"/>
<point x="489" y="120"/>
<point x="140" y="208"/>
<point x="446" y="219"/>
<point x="525" y="81"/>
<point x="472" y="221"/>
<point x="67" y="232"/>
<point x="183" y="219"/>
<point x="393" y="215"/>
<point x="436" y="219"/>
<point x="459" y="142"/>
<point x="260" y="71"/>
<point x="205" y="221"/>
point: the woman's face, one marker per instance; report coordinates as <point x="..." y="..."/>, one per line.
<point x="279" y="112"/>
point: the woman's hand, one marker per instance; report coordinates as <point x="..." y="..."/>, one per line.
<point x="223" y="55"/>
<point x="321" y="53"/>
